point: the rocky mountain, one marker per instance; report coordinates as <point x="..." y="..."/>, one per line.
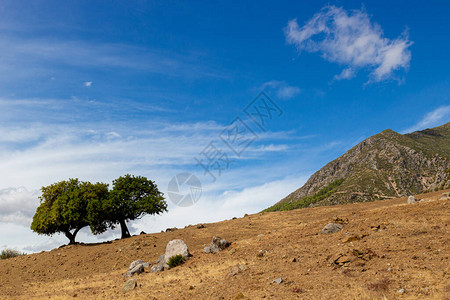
<point x="386" y="165"/>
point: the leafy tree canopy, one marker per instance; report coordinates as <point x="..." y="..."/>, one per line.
<point x="131" y="198"/>
<point x="68" y="206"/>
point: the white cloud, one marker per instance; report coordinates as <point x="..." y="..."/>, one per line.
<point x="431" y="119"/>
<point x="345" y="74"/>
<point x="352" y="40"/>
<point x="225" y="206"/>
<point x="87" y="83"/>
<point x="18" y="205"/>
<point x="282" y="89"/>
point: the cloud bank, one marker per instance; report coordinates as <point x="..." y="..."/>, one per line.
<point x="18" y="205"/>
<point x="351" y="39"/>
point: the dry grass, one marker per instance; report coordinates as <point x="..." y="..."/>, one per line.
<point x="403" y="246"/>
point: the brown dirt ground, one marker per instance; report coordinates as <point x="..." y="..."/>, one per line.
<point x="400" y="246"/>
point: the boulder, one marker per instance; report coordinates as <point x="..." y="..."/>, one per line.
<point x="136" y="267"/>
<point x="157" y="268"/>
<point x="332" y="228"/>
<point x="138" y="262"/>
<point x="411" y="200"/>
<point x="129" y="285"/>
<point x="176" y="247"/>
<point x="217" y="244"/>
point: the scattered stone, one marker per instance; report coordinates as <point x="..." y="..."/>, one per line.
<point x="234" y="218"/>
<point x="411" y="200"/>
<point x="246" y="215"/>
<point x="236" y="269"/>
<point x="217" y="244"/>
<point x="171" y="229"/>
<point x="129" y="285"/>
<point x="160" y="259"/>
<point x="401" y="291"/>
<point x="136" y="267"/>
<point x="278" y="280"/>
<point x="157" y="268"/>
<point x="143" y="232"/>
<point x="176" y="247"/>
<point x="332" y="228"/>
<point x="200" y="226"/>
<point x="138" y="262"/>
<point x="239" y="296"/>
<point x="354" y="257"/>
<point x="136" y="270"/>
<point x="260" y="253"/>
<point x="353" y="237"/>
<point x="233" y="251"/>
<point x="375" y="227"/>
<point x="445" y="196"/>
<point x="340" y="220"/>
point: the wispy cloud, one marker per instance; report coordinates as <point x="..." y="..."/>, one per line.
<point x="431" y="119"/>
<point x="281" y="89"/>
<point x="34" y="58"/>
<point x="353" y="40"/>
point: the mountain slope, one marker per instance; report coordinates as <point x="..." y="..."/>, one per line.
<point x="386" y="165"/>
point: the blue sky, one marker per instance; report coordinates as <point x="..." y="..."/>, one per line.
<point x="95" y="90"/>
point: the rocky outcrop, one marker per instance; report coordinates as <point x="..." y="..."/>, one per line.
<point x="386" y="165"/>
<point x="217" y="244"/>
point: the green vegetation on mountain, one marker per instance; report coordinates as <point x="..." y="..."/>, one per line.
<point x="386" y="165"/>
<point x="307" y="201"/>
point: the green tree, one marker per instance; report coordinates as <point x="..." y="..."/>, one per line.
<point x="68" y="206"/>
<point x="131" y="198"/>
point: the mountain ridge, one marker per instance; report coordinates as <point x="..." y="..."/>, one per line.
<point x="385" y="165"/>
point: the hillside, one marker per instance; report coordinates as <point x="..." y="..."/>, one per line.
<point x="386" y="165"/>
<point x="384" y="247"/>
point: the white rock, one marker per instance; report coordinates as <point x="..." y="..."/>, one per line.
<point x="176" y="247"/>
<point x="411" y="200"/>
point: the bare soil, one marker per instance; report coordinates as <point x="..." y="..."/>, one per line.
<point x="384" y="246"/>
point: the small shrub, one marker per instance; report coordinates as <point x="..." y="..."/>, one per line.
<point x="176" y="260"/>
<point x="8" y="253"/>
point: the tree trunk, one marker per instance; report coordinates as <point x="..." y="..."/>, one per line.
<point x="124" y="228"/>
<point x="71" y="236"/>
